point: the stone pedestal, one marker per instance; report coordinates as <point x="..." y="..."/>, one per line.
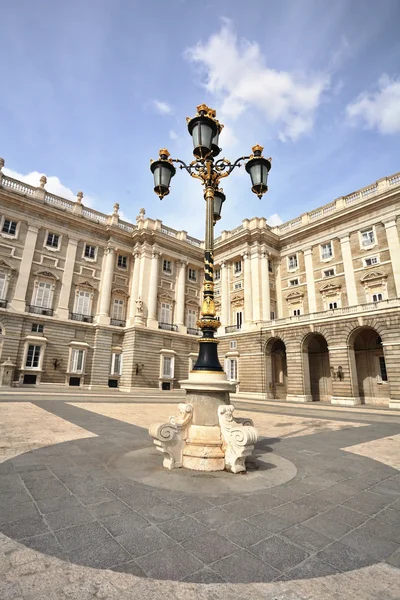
<point x="208" y="438"/>
<point x="7" y="370"/>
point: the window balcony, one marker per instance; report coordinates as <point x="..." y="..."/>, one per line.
<point x="3" y="303"/>
<point x="40" y="310"/>
<point x="117" y="322"/>
<point x="79" y="317"/>
<point x="232" y="328"/>
<point x="168" y="326"/>
<point x="192" y="331"/>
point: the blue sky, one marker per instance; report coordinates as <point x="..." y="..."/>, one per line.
<point x="90" y="90"/>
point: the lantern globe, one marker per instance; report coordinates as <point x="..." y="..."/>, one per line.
<point x="203" y="130"/>
<point x="219" y="199"/>
<point x="258" y="169"/>
<point x="163" y="171"/>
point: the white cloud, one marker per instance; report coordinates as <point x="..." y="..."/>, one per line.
<point x="237" y="75"/>
<point x="162" y="107"/>
<point x="378" y="110"/>
<point x="53" y="185"/>
<point x="274" y="220"/>
<point x="173" y="135"/>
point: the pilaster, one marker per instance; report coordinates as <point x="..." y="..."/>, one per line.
<point x="255" y="284"/>
<point x="349" y="271"/>
<point x="103" y="315"/>
<point x="153" y="289"/>
<point x="394" y="251"/>
<point x="19" y="301"/>
<point x="225" y="308"/>
<point x="265" y="289"/>
<point x="180" y="295"/>
<point x="65" y="293"/>
<point x="134" y="287"/>
<point x="248" y="303"/>
<point x="312" y="303"/>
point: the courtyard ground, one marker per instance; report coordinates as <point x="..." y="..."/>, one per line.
<point x="86" y="511"/>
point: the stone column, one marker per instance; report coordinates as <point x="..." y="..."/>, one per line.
<point x="65" y="293"/>
<point x="394" y="250"/>
<point x="248" y="304"/>
<point x="391" y="349"/>
<point x="278" y="287"/>
<point x="152" y="320"/>
<point x="349" y="271"/>
<point x="180" y="296"/>
<point x="345" y="391"/>
<point x="312" y="302"/>
<point x="265" y="289"/>
<point x="225" y="308"/>
<point x="19" y="301"/>
<point x="296" y="362"/>
<point x="103" y="313"/>
<point x="134" y="288"/>
<point x="255" y="284"/>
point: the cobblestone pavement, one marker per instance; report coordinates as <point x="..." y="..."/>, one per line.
<point x="72" y="526"/>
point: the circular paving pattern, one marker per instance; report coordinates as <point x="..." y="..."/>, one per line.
<point x="309" y="509"/>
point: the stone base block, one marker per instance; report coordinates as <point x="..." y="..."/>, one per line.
<point x="299" y="398"/>
<point x="394" y="403"/>
<point x="203" y="449"/>
<point x="345" y="401"/>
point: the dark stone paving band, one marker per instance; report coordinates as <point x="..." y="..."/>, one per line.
<point x="340" y="512"/>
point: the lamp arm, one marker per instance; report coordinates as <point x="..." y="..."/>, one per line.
<point x="225" y="167"/>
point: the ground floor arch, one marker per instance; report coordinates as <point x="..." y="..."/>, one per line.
<point x="276" y="369"/>
<point x="369" y="363"/>
<point x="316" y="368"/>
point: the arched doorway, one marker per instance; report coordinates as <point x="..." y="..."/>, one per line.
<point x="317" y="373"/>
<point x="372" y="379"/>
<point x="276" y="369"/>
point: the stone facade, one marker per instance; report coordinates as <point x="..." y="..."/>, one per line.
<point x="310" y="309"/>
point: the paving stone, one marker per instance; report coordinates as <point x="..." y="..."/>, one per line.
<point x="171" y="562"/>
<point x="293" y="513"/>
<point x="287" y="493"/>
<point x="243" y="533"/>
<point x="10" y="590"/>
<point x="242" y="509"/>
<point x="49" y="505"/>
<point x="221" y="500"/>
<point x="316" y="504"/>
<point x="312" y="567"/>
<point x="130" y="567"/>
<point x="109" y="509"/>
<point x="68" y="518"/>
<point x="278" y="553"/>
<point x="204" y="576"/>
<point x="11" y="483"/>
<point x="388" y="487"/>
<point x="363" y="541"/>
<point x="95" y="496"/>
<point x="143" y="541"/>
<point x="14" y="497"/>
<point x="125" y="523"/>
<point x="368" y="503"/>
<point x="244" y="567"/>
<point x="102" y="555"/>
<point x="183" y="528"/>
<point x="193" y="504"/>
<point x="382" y="530"/>
<point x="215" y="517"/>
<point x="14" y="512"/>
<point x="389" y="516"/>
<point x="394" y="559"/>
<point x="138" y="499"/>
<point x="269" y="522"/>
<point x="81" y="535"/>
<point x="22" y="528"/>
<point x="307" y="538"/>
<point x="209" y="547"/>
<point x="346" y="515"/>
<point x="161" y="513"/>
<point x="336" y="494"/>
<point x="328" y="527"/>
<point x="344" y="557"/>
<point x="46" y="543"/>
<point x="265" y="501"/>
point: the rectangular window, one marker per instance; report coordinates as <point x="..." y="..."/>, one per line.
<point x="167" y="267"/>
<point x="232" y="369"/>
<point x="377" y="297"/>
<point x="294" y="282"/>
<point x="272" y="315"/>
<point x="270" y="265"/>
<point x="165" y="313"/>
<point x="52" y="240"/>
<point x="333" y="305"/>
<point x="292" y="261"/>
<point x="217" y="274"/>
<point x="9" y="227"/>
<point x="233" y="345"/>
<point x="192" y="275"/>
<point x="167" y="366"/>
<point x="329" y="272"/>
<point x="37" y="328"/>
<point x="122" y="261"/>
<point x="2" y="286"/>
<point x="32" y="357"/>
<point x="296" y="312"/>
<point x="326" y="250"/>
<point x="83" y="303"/>
<point x="237" y="285"/>
<point x="77" y="357"/>
<point x="372" y="260"/>
<point x="43" y="294"/>
<point x="368" y="237"/>
<point x="239" y="319"/>
<point x="118" y="311"/>
<point x="116" y="363"/>
<point x="90" y="251"/>
<point x="237" y="267"/>
<point x="382" y="368"/>
<point x="191" y="318"/>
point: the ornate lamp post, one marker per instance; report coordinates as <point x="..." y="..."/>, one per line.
<point x="207" y="387"/>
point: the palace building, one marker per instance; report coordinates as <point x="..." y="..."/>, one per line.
<point x="310" y="309"/>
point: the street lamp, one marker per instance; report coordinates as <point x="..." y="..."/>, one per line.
<point x="205" y="129"/>
<point x="207" y="382"/>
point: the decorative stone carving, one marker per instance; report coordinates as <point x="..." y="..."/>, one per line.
<point x="239" y="437"/>
<point x="170" y="437"/>
<point x="139" y="306"/>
